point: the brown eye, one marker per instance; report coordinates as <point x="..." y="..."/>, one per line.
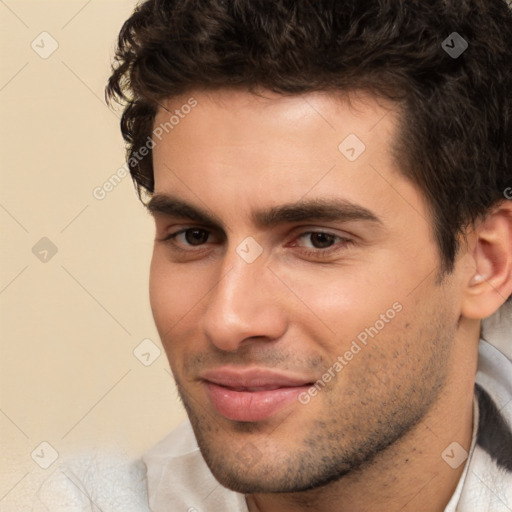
<point x="322" y="240"/>
<point x="196" y="236"/>
<point x="322" y="244"/>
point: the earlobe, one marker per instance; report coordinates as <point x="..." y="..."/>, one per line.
<point x="491" y="281"/>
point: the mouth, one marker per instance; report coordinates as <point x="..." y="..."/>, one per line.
<point x="252" y="395"/>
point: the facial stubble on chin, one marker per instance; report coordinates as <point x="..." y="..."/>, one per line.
<point x="356" y="425"/>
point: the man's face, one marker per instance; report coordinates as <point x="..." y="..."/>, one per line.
<point x="263" y="297"/>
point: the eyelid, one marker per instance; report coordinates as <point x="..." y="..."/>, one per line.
<point x="313" y="231"/>
<point x="300" y="231"/>
<point x="173" y="235"/>
<point x="343" y="241"/>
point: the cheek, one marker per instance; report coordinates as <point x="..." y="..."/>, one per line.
<point x="176" y="293"/>
<point x="167" y="293"/>
<point x="342" y="302"/>
<point x="168" y="305"/>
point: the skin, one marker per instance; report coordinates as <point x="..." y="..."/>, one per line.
<point x="373" y="437"/>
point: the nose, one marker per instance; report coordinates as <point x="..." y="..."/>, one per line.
<point x="244" y="306"/>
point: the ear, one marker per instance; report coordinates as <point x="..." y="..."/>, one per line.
<point x="490" y="281"/>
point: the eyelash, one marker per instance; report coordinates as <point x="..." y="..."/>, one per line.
<point x="346" y="242"/>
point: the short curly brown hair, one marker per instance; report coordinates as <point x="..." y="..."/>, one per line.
<point x="455" y="134"/>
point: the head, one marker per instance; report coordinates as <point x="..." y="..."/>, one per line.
<point x="327" y="181"/>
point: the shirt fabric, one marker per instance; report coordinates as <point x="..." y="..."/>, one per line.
<point x="173" y="477"/>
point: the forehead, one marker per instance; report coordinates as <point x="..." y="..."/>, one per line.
<point x="246" y="151"/>
<point x="245" y="116"/>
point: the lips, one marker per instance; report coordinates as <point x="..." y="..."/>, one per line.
<point x="251" y="395"/>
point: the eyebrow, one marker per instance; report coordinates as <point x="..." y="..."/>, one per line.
<point x="340" y="210"/>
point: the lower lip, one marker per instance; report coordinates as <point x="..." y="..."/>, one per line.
<point x="251" y="405"/>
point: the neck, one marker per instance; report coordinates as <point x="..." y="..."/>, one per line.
<point x="411" y="475"/>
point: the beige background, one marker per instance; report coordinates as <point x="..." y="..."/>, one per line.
<point x="70" y="324"/>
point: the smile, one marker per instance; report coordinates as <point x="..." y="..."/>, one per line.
<point x="251" y="395"/>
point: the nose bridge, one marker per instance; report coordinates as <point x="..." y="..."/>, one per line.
<point x="243" y="303"/>
<point x="238" y="291"/>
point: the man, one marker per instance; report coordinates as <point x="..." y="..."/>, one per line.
<point x="330" y="184"/>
